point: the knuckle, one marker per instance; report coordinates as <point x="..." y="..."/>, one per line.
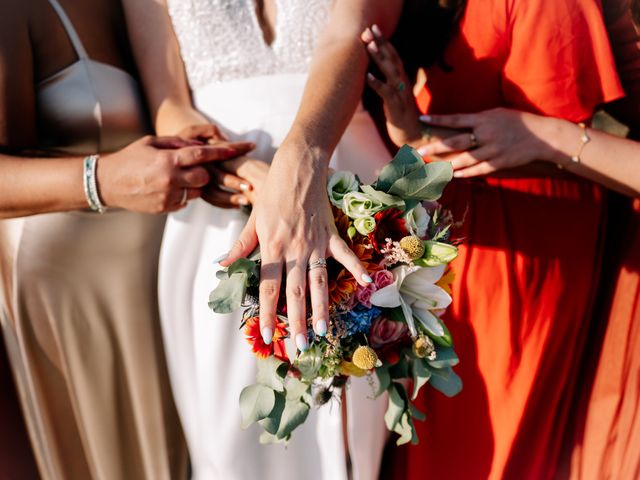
<point x="296" y="291"/>
<point x="269" y="290"/>
<point x="318" y="278"/>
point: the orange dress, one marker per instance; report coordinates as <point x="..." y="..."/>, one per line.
<point x="607" y="437"/>
<point x="528" y="268"/>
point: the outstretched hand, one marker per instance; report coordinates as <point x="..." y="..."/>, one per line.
<point x="294" y="225"/>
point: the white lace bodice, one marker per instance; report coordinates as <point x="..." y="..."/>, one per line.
<point x="222" y="40"/>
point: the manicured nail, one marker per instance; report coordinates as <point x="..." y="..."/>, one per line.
<point x="244" y="187"/>
<point x="321" y="328"/>
<point x="372" y="47"/>
<point x="370" y="77"/>
<point x="367" y="36"/>
<point x="243" y="201"/>
<point x="458" y="175"/>
<point x="221" y="258"/>
<point x="376" y="30"/>
<point x="425" y="118"/>
<point x="424" y="150"/>
<point x="301" y="342"/>
<point x="366" y="277"/>
<point x="267" y="335"/>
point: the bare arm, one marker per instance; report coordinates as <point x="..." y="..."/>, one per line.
<point x="512" y="138"/>
<point x="292" y="219"/>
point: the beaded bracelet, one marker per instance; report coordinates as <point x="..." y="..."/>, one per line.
<point x="91" y="184"/>
<point x="584" y="139"/>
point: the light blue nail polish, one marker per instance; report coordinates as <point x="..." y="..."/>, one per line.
<point x="267" y="335"/>
<point x="221" y="258"/>
<point x="301" y="342"/>
<point x="367" y="278"/>
<point x="321" y="328"/>
<point x="425" y="118"/>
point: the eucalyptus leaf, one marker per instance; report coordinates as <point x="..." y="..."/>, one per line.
<point x="272" y="372"/>
<point x="397" y="406"/>
<point x="294" y="414"/>
<point x="384" y="379"/>
<point x="256" y="403"/>
<point x="421" y="375"/>
<point x="389" y="201"/>
<point x="424" y="183"/>
<point x="267" y="439"/>
<point x="296" y="389"/>
<point x="309" y="362"/>
<point x="405" y="429"/>
<point x="229" y="294"/>
<point x="446" y="381"/>
<point x="244" y="265"/>
<point x="445" y="357"/>
<point x="406" y="161"/>
<point x="417" y="414"/>
<point x="271" y="423"/>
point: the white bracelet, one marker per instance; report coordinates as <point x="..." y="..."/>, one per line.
<point x="91" y="184"/>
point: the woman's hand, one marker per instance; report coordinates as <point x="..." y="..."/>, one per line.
<point x="160" y="174"/>
<point x="227" y="188"/>
<point x="400" y="109"/>
<point x="294" y="224"/>
<point x="495" y="139"/>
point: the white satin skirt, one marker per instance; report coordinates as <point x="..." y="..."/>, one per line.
<point x="209" y="360"/>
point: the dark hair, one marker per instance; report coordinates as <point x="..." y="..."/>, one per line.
<point x="425" y="30"/>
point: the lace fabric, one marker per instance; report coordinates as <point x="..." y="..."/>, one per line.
<point x="221" y="40"/>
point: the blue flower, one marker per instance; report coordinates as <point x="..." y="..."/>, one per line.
<point x="359" y="319"/>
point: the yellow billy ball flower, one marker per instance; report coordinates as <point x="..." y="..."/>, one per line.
<point x="413" y="246"/>
<point x="365" y="358"/>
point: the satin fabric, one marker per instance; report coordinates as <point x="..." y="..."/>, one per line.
<point x="79" y="304"/>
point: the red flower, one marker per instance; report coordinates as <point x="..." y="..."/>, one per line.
<point x="389" y="224"/>
<point x="262" y="350"/>
<point x="385" y="337"/>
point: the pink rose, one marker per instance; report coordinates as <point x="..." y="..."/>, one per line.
<point x="382" y="278"/>
<point x="385" y="332"/>
<point x="363" y="294"/>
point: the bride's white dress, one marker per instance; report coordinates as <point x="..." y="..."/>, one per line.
<point x="252" y="91"/>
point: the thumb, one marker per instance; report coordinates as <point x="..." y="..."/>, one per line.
<point x="246" y="243"/>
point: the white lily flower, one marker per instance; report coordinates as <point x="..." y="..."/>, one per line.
<point x="415" y="290"/>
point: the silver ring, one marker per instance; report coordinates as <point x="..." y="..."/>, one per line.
<point x="319" y="263"/>
<point x="473" y="140"/>
<point x="183" y="199"/>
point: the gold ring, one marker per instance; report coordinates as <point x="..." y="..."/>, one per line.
<point x="319" y="263"/>
<point x="473" y="140"/>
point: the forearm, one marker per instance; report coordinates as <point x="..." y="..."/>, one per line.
<point x="29" y="186"/>
<point x="336" y="79"/>
<point x="611" y="161"/>
<point x="157" y="54"/>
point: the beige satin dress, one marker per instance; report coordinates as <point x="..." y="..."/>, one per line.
<point x="78" y="302"/>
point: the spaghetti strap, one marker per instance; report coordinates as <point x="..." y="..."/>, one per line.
<point x="71" y="31"/>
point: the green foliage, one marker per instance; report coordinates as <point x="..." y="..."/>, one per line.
<point x="437" y="253"/>
<point x="406" y="161"/>
<point x="229" y="294"/>
<point x="272" y="372"/>
<point x="310" y="362"/>
<point x="421" y="375"/>
<point x="256" y="402"/>
<point x="445" y="380"/>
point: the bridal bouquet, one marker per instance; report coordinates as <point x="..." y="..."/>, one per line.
<point x="391" y="327"/>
